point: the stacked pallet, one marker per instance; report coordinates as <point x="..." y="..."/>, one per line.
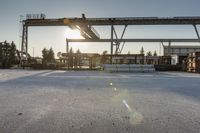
<point x="193" y="64"/>
<point x="128" y="68"/>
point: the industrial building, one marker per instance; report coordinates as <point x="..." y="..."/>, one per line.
<point x="179" y="54"/>
<point x="180" y="50"/>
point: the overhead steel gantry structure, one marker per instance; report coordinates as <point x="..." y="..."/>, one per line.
<point x="85" y="25"/>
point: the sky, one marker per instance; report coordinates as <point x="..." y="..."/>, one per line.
<point x="46" y="37"/>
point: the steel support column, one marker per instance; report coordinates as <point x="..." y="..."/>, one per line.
<point x="112" y="43"/>
<point x="161" y="46"/>
<point x="119" y="40"/>
<point x="118" y="49"/>
<point x="26" y="41"/>
<point x="195" y="27"/>
<point x="67" y="46"/>
<point x="67" y="54"/>
<point x="116" y="41"/>
<point x="24" y="45"/>
<point x="169" y="49"/>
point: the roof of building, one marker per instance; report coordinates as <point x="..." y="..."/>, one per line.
<point x="183" y="46"/>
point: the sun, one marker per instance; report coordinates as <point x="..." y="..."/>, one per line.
<point x="73" y="34"/>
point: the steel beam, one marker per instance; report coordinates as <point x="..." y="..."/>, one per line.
<point x="112" y="43"/>
<point x="26" y="49"/>
<point x="118" y="49"/>
<point x="195" y="27"/>
<point x="88" y="22"/>
<point x="114" y="21"/>
<point x="24" y="45"/>
<point x="117" y="41"/>
<point x="136" y="40"/>
<point x="122" y="46"/>
<point x="67" y="46"/>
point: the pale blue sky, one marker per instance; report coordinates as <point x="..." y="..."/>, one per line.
<point x="40" y="37"/>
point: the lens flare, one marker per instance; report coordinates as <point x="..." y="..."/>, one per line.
<point x="73" y="34"/>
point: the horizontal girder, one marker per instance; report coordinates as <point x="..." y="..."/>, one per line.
<point x="134" y="40"/>
<point x="114" y="21"/>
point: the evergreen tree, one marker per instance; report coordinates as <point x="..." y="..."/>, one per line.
<point x="48" y="56"/>
<point x="59" y="54"/>
<point x="44" y="56"/>
<point x="12" y="54"/>
<point x="1" y="54"/>
<point x="78" y="53"/>
<point x="7" y="54"/>
<point x="142" y="51"/>
<point x="51" y="57"/>
<point x="149" y="53"/>
<point x="104" y="58"/>
<point x="155" y="53"/>
<point x="76" y="60"/>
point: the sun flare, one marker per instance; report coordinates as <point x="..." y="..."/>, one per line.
<point x="73" y="34"/>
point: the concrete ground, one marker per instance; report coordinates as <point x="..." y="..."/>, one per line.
<point x="98" y="102"/>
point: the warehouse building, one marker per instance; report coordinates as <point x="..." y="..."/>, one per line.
<point x="180" y="50"/>
<point x="179" y="54"/>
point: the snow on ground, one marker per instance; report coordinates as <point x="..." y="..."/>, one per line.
<point x="89" y="101"/>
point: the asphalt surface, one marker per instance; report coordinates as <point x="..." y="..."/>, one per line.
<point x="98" y="102"/>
